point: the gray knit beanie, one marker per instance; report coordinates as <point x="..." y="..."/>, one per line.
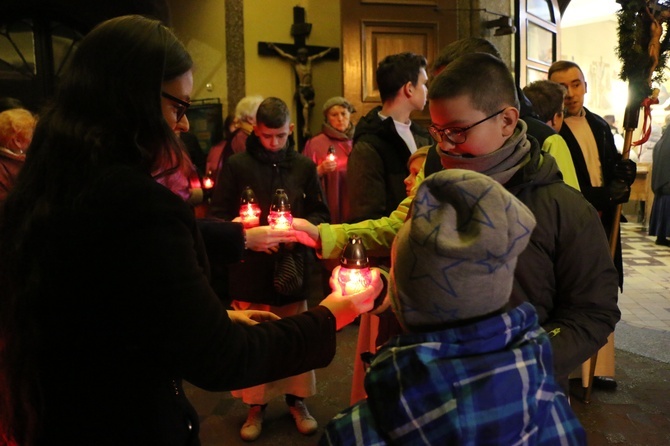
<point x="454" y="257"/>
<point x="337" y="100"/>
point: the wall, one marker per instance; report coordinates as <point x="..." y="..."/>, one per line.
<point x="597" y="57"/>
<point x="201" y="25"/>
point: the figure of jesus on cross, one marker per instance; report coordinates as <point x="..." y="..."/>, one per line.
<point x="301" y="56"/>
<point x="302" y="64"/>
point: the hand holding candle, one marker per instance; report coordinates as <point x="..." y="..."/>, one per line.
<point x="346" y="308"/>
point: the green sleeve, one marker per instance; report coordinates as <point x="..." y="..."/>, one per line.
<point x="377" y="235"/>
<point x="556" y="146"/>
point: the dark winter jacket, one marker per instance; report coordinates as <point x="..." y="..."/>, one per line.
<point x="252" y="280"/>
<point x="566" y="271"/>
<point x="599" y="197"/>
<point x="378" y="166"/>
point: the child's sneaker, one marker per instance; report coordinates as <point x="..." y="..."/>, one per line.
<point x="251" y="429"/>
<point x="305" y="423"/>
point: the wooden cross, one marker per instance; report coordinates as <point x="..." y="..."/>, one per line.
<point x="301" y="57"/>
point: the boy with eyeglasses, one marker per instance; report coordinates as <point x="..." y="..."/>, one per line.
<point x="566" y="271"/>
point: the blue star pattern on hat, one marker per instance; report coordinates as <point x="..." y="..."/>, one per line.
<point x="455" y="257"/>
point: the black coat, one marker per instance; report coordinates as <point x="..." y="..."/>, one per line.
<point x="125" y="312"/>
<point x="378" y="165"/>
<point x="252" y="280"/>
<point x="599" y="197"/>
<point x="566" y="270"/>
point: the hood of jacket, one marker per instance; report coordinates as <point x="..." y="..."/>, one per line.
<point x="417" y="380"/>
<point x="260" y="153"/>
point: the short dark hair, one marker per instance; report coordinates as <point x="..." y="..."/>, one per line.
<point x="484" y="78"/>
<point x="562" y="65"/>
<point x="273" y="113"/>
<point x="546" y="97"/>
<point x="459" y="47"/>
<point x="396" y="70"/>
<point x="8" y="103"/>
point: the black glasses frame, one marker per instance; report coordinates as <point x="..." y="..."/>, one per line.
<point x="182" y="105"/>
<point x="456" y="135"/>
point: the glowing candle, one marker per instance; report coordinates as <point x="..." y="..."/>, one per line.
<point x="354" y="275"/>
<point x="250" y="211"/>
<point x="331" y="153"/>
<point x="207" y="182"/>
<point x="280" y="211"/>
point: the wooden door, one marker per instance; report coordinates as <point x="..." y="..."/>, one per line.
<point x="374" y="29"/>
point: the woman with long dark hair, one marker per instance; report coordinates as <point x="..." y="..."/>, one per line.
<point x="105" y="304"/>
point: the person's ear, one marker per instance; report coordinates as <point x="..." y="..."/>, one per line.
<point x="408" y="89"/>
<point x="290" y="128"/>
<point x="509" y="119"/>
<point x="586" y="87"/>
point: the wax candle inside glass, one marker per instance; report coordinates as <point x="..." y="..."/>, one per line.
<point x="354" y="280"/>
<point x="280" y="211"/>
<point x="354" y="275"/>
<point x="280" y="220"/>
<point x="250" y="215"/>
<point x="250" y="211"/>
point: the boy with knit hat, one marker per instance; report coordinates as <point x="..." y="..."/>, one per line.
<point x="470" y="369"/>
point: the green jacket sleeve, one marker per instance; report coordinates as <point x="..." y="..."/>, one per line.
<point x="377" y="235"/>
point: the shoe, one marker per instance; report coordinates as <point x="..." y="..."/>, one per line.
<point x="305" y="423"/>
<point x="604" y="383"/>
<point x="251" y="429"/>
<point x="663" y="241"/>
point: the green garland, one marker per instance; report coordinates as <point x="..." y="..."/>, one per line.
<point x="633" y="50"/>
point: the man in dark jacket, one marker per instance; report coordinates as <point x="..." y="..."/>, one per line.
<point x="386" y="137"/>
<point x="604" y="178"/>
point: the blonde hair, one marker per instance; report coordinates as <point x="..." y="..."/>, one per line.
<point x="16" y="122"/>
<point x="422" y="152"/>
<point x="247" y="107"/>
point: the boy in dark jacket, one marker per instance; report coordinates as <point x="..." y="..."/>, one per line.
<point x="270" y="163"/>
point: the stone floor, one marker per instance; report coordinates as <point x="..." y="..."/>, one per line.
<point x="636" y="413"/>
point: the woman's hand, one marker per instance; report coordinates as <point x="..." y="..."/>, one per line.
<point x="346" y="308"/>
<point x="265" y="239"/>
<point x="306" y="233"/>
<point x="251" y="317"/>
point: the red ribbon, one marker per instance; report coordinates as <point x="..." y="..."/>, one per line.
<point x="646" y="124"/>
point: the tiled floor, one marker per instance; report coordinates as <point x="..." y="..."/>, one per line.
<point x="645" y="301"/>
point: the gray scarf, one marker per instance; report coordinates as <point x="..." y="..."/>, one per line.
<point x="502" y="164"/>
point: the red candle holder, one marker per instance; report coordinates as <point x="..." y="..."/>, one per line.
<point x="250" y="211"/>
<point x="331" y="153"/>
<point x="280" y="211"/>
<point x="208" y="181"/>
<point x="355" y="274"/>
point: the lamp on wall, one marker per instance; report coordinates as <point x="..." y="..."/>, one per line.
<point x="503" y="26"/>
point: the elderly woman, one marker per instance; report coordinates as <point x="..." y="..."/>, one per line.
<point x="330" y="151"/>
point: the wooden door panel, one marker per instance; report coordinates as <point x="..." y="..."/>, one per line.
<point x="382" y="39"/>
<point x="374" y="29"/>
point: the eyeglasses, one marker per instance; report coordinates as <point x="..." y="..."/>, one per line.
<point x="456" y="135"/>
<point x="181" y="106"/>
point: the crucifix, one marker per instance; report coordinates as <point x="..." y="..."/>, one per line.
<point x="301" y="56"/>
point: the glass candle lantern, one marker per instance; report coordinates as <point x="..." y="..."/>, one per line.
<point x="250" y="211"/>
<point x="208" y="181"/>
<point x="331" y="153"/>
<point x="280" y="211"/>
<point x="354" y="275"/>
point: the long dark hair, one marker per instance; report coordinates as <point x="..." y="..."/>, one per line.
<point x="107" y="111"/>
